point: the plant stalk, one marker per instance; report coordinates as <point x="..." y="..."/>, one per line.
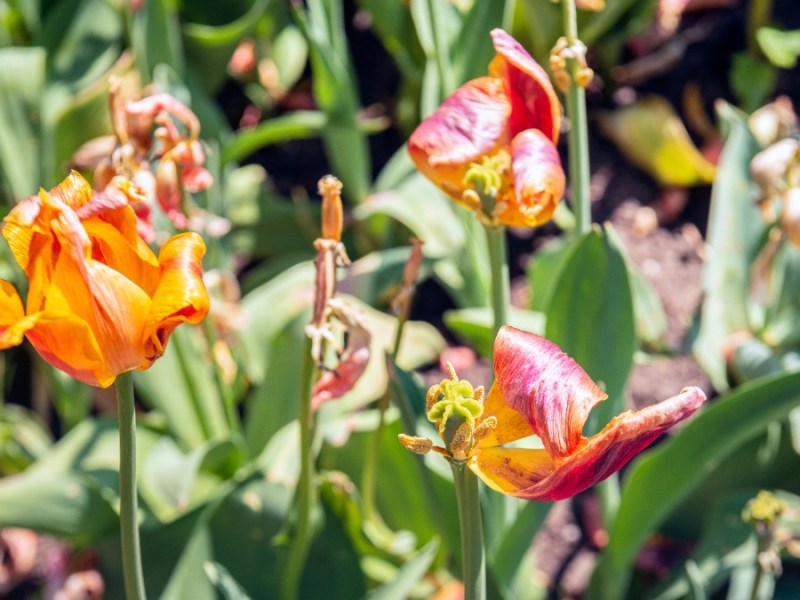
<point x="129" y="526"/>
<point x="304" y="494"/>
<point x="473" y="557"/>
<point x="579" y="173"/>
<point x="498" y="264"/>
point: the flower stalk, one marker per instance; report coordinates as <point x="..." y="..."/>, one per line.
<point x="568" y="63"/>
<point x="498" y="264"/>
<point x="473" y="557"/>
<point x="129" y="527"/>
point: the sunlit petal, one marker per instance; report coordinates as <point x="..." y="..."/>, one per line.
<point x="512" y="425"/>
<point x="550" y="389"/>
<point x="181" y="295"/>
<point x="537" y="181"/>
<point x="511" y="470"/>
<point x="534" y="103"/>
<point x="12" y="317"/>
<point x="608" y="451"/>
<point x="469" y="124"/>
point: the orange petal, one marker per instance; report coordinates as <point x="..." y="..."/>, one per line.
<point x="510" y="470"/>
<point x="181" y="296"/>
<point x="538" y="181"/>
<point x="469" y="124"/>
<point x="534" y="103"/>
<point x="600" y="456"/>
<point x="511" y="425"/>
<point x="66" y="342"/>
<point x="550" y="389"/>
<point x="13" y="324"/>
<point x="74" y="191"/>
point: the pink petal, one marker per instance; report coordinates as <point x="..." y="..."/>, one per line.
<point x="546" y="386"/>
<point x="470" y="124"/>
<point x="600" y="456"/>
<point x="538" y="180"/>
<point x="534" y="103"/>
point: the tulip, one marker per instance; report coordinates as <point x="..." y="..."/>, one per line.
<point x="99" y="302"/>
<point x="541" y="391"/>
<point x="503" y="126"/>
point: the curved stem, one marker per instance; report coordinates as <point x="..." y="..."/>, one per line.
<point x="473" y="557"/>
<point x="129" y="526"/>
<point x="304" y="495"/>
<point x="498" y="264"/>
<point x="579" y="173"/>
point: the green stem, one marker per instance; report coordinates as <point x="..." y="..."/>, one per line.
<point x="129" y="527"/>
<point x="473" y="557"/>
<point x="304" y="494"/>
<point x="498" y="264"/>
<point x="758" y="14"/>
<point x="579" y="173"/>
<point x="194" y="394"/>
<point x="224" y="391"/>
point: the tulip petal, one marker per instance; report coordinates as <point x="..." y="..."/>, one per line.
<point x="538" y="181"/>
<point x="510" y="470"/>
<point x="181" y="296"/>
<point x="13" y="324"/>
<point x="534" y="103"/>
<point x="511" y="425"/>
<point x="470" y="124"/>
<point x="600" y="455"/>
<point x="546" y="386"/>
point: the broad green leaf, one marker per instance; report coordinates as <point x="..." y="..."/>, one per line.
<point x="408" y="576"/>
<point x="476" y="325"/>
<point x="156" y="38"/>
<point x="781" y="47"/>
<point x="590" y="317"/>
<point x="426" y="212"/>
<point x="544" y="269"/>
<point x="652" y="136"/>
<point x="181" y="385"/>
<point x="226" y="585"/>
<point x="663" y="477"/>
<point x="69" y="505"/>
<point x="23" y="439"/>
<point x="437" y="24"/>
<point x="735" y="230"/>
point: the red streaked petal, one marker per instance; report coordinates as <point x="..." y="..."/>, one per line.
<point x="181" y="296"/>
<point x="537" y="179"/>
<point x="470" y="124"/>
<point x="511" y="425"/>
<point x="608" y="451"/>
<point x="534" y="103"/>
<point x="550" y="389"/>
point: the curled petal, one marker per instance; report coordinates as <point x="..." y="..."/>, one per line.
<point x="534" y="103"/>
<point x="546" y="386"/>
<point x="523" y="473"/>
<point x="180" y="297"/>
<point x="148" y="108"/>
<point x="469" y="124"/>
<point x="13" y="324"/>
<point x="538" y="181"/>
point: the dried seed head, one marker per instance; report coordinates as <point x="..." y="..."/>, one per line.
<point x="330" y="189"/>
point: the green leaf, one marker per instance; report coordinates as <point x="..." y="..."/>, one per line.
<point x="23" y="439"/>
<point x="544" y="269"/>
<point x="69" y="505"/>
<point x="752" y="80"/>
<point x="476" y="325"/>
<point x="591" y="307"/>
<point x="781" y="47"/>
<point x="473" y="49"/>
<point x="408" y="576"/>
<point x="663" y="477"/>
<point x="181" y="385"/>
<point x="735" y="230"/>
<point x="226" y="585"/>
<point x="156" y="38"/>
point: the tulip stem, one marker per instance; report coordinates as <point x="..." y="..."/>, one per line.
<point x="498" y="264"/>
<point x="129" y="526"/>
<point x="579" y="173"/>
<point x="304" y="494"/>
<point x="473" y="557"/>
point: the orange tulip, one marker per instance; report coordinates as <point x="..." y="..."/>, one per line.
<point x="541" y="391"/>
<point x="510" y="120"/>
<point x="99" y="301"/>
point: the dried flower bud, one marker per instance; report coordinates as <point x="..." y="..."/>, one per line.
<point x="330" y="189"/>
